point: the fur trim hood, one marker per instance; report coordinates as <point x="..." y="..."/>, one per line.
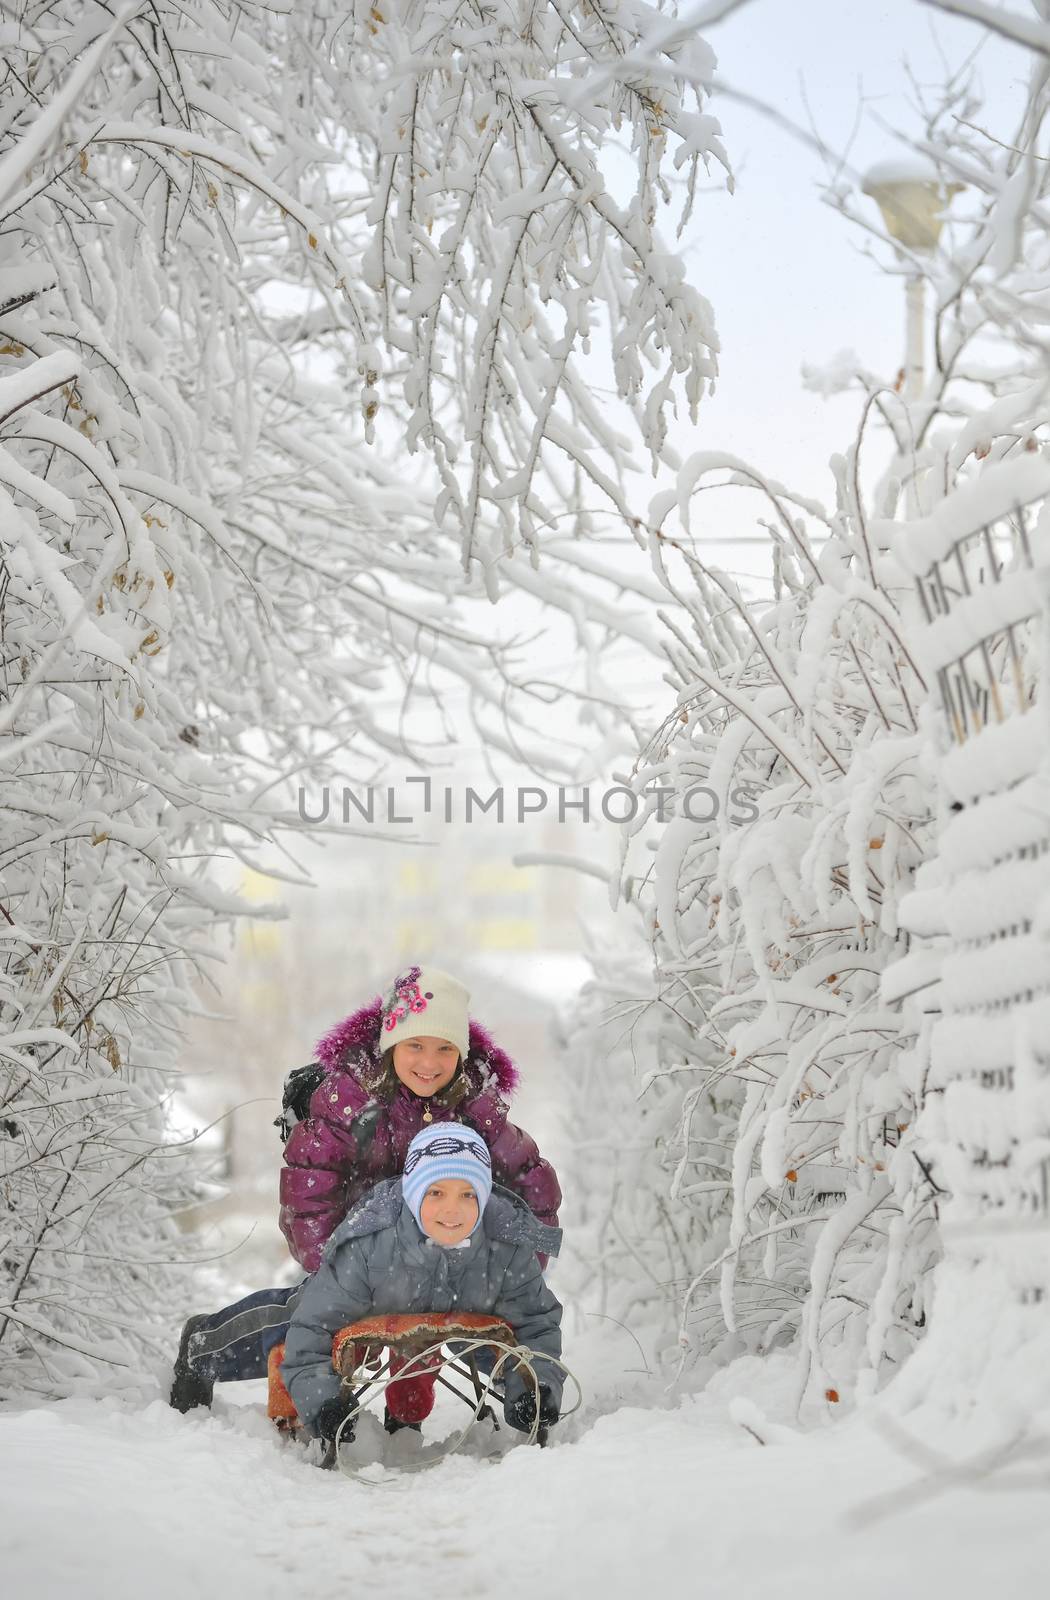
<point x="354" y="1045"/>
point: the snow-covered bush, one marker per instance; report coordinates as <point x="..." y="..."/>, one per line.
<point x="626" y="1257"/>
<point x="783" y="812"/>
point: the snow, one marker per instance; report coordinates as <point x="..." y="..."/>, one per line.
<point x="18" y="159"/>
<point x="993" y="609"/>
<point x="1002" y="755"/>
<point x="909" y="168"/>
<point x="114" y="1498"/>
<point x="981" y="835"/>
<point x="18" y="389"/>
<point x="769" y="953"/>
<point x="975" y="504"/>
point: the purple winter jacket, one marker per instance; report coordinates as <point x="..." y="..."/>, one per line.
<point x="324" y="1173"/>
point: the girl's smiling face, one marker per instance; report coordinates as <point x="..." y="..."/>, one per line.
<point x="448" y="1211"/>
<point x="425" y="1065"/>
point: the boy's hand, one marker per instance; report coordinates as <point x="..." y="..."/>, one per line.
<point x="330" y="1419"/>
<point x="521" y="1413"/>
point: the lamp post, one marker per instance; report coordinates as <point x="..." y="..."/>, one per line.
<point x="912" y="200"/>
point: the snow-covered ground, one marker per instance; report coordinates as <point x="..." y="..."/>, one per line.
<point x="121" y="1498"/>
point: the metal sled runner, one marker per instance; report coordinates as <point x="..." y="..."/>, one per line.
<point x="372" y="1354"/>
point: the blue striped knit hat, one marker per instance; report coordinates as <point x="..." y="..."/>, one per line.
<point x="446" y="1150"/>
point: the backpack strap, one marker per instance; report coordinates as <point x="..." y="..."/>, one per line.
<point x="299" y="1087"/>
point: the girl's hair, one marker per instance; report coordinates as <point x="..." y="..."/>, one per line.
<point x="384" y="1085"/>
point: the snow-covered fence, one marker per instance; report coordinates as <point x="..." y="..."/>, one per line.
<point x="979" y="972"/>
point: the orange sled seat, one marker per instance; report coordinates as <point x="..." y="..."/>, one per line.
<point x="409" y="1398"/>
<point x="408" y="1335"/>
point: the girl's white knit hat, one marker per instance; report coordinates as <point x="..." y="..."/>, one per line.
<point x="425" y="1002"/>
<point x="446" y="1151"/>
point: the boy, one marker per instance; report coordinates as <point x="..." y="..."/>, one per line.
<point x="439" y="1238"/>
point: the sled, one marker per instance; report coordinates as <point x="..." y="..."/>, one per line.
<point x="442" y="1343"/>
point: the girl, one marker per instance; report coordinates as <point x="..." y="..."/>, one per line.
<point x="410" y="1058"/>
<point x="406" y="1061"/>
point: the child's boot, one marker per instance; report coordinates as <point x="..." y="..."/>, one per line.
<point x="409" y="1401"/>
<point x="189" y="1389"/>
<point x="395" y="1425"/>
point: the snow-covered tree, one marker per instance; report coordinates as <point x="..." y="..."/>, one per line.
<point x="176" y="545"/>
<point x="510" y="164"/>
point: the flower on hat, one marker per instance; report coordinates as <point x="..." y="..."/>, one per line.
<point x="404" y="997"/>
<point x="425" y="1001"/>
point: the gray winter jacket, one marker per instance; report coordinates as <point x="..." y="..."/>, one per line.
<point x="379" y="1261"/>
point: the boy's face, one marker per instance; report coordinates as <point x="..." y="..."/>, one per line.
<point x="448" y="1211"/>
<point x="425" y="1065"/>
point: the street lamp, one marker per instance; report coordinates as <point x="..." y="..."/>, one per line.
<point x="912" y="199"/>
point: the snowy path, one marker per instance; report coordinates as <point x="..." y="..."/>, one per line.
<point x="108" y="1499"/>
